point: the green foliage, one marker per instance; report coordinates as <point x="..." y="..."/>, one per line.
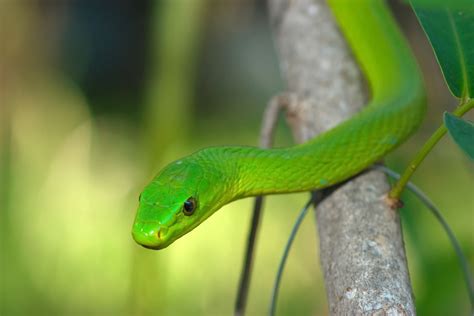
<point x="462" y="132"/>
<point x="450" y="30"/>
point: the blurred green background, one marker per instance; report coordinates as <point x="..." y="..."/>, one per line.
<point x="96" y="96"/>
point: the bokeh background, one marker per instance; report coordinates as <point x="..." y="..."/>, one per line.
<point x="96" y="96"/>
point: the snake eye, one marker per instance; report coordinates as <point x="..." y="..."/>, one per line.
<point x="189" y="206"/>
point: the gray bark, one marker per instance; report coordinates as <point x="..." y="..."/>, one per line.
<point x="361" y="245"/>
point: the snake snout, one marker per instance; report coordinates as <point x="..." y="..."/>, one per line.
<point x="150" y="236"/>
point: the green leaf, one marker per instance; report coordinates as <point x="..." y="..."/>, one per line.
<point x="450" y="30"/>
<point x="462" y="132"/>
<point x="444" y="4"/>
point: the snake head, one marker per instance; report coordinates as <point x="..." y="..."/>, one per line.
<point x="178" y="199"/>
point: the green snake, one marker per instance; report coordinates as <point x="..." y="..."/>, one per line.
<point x="189" y="190"/>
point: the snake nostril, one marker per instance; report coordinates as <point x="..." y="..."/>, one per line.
<point x="161" y="233"/>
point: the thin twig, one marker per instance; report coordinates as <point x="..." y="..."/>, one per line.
<point x="435" y="211"/>
<point x="242" y="293"/>
<point x="281" y="266"/>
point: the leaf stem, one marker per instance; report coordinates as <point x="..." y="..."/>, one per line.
<point x="427" y="147"/>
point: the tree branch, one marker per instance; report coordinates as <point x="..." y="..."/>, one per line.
<point x="362" y="251"/>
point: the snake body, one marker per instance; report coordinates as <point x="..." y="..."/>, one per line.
<point x="189" y="190"/>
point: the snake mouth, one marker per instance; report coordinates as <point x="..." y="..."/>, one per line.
<point x="153" y="247"/>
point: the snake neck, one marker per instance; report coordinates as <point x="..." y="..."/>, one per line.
<point x="240" y="172"/>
